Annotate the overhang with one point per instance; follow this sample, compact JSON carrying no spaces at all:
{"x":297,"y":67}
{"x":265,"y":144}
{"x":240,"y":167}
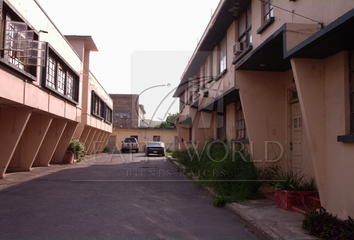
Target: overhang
{"x":268,"y":56}
{"x":88,"y":40}
{"x":219,"y":103}
{"x":186,"y":120}
{"x":336,"y":37}
{"x":225,"y":14}
{"x":195,"y":104}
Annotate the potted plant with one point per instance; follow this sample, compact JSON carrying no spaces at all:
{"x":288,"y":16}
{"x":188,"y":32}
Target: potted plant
{"x":292,"y":189}
{"x":75,"y":150}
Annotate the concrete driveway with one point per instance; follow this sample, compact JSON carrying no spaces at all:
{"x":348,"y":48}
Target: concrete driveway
{"x":111,"y":196}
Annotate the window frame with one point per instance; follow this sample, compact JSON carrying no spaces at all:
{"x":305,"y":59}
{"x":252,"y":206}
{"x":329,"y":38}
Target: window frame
{"x":101,"y":110}
{"x":246,"y":35}
{"x":268,"y":8}
{"x":8,"y":13}
{"x":241,"y":129}
{"x":54,"y":62}
{"x":156,"y":137}
{"x":117,"y":112}
{"x":223,"y":55}
{"x":268,"y":15}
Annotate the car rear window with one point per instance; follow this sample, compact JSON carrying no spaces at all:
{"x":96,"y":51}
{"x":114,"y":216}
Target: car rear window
{"x":129,"y":140}
{"x":154,"y":144}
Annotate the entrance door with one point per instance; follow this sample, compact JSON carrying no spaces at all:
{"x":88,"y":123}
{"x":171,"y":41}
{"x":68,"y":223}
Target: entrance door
{"x":295,"y":145}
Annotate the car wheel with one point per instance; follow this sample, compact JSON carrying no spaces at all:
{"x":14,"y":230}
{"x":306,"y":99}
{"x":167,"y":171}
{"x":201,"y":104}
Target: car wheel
{"x":163,"y":154}
{"x":137,"y":150}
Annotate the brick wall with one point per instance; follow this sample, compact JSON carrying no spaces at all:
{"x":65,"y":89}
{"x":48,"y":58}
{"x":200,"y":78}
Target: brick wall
{"x":122,"y":105}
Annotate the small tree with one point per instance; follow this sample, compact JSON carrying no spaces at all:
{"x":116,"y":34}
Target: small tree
{"x":170,"y":121}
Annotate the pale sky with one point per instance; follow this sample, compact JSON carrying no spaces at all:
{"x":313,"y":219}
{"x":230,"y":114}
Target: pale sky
{"x":143,"y":45}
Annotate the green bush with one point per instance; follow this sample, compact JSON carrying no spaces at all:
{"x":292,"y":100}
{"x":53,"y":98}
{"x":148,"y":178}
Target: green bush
{"x":326,"y":226}
{"x":77,"y":148}
{"x":231,"y":175}
{"x":106,"y":149}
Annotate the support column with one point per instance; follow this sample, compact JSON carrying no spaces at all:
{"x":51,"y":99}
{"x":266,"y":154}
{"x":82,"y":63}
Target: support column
{"x":89,"y":142}
{"x":50,"y":143}
{"x":12,"y":124}
{"x":64,"y":142}
{"x":85,"y":134}
{"x":94,"y":147}
{"x":31,"y":140}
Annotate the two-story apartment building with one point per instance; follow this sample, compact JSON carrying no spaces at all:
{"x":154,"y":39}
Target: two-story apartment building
{"x":47,"y":93}
{"x":277,"y":76}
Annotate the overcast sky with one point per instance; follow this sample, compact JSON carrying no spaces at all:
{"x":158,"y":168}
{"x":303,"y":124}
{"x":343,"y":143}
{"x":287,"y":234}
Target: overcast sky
{"x":143,"y":46}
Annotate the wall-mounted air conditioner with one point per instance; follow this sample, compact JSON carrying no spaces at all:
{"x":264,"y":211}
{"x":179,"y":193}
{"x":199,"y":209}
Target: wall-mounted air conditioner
{"x":239,"y":47}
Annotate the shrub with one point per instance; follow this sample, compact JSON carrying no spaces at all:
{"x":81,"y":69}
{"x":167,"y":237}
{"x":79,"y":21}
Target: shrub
{"x":326,"y":226}
{"x":77,"y":148}
{"x":232,"y":176}
{"x":106,"y":149}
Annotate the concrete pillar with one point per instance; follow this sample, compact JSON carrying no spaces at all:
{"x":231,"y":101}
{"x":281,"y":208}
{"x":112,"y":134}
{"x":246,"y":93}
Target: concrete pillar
{"x":310,"y":84}
{"x":50,"y":143}
{"x":64,"y":142}
{"x":89,"y":141}
{"x":12,"y":124}
{"x":31,"y":140}
{"x":94,"y":146}
{"x":85,"y":134}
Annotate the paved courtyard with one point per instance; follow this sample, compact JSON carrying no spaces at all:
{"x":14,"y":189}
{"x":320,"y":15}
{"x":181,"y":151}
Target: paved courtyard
{"x":109,"y":196}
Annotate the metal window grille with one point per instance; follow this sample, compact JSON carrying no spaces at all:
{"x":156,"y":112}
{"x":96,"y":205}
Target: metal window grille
{"x":241,"y":132}
{"x":51,"y":72}
{"x":351,"y":90}
{"x":245,"y":27}
{"x":61,"y":79}
{"x":70,"y":90}
{"x":268,"y":9}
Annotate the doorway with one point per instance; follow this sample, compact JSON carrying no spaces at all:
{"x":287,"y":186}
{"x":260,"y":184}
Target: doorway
{"x":296,"y":138}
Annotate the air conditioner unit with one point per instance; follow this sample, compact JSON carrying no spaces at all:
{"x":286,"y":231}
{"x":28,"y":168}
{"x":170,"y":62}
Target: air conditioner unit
{"x":239,"y":47}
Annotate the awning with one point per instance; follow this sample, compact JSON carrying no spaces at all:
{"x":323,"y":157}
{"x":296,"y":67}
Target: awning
{"x":336,"y":37}
{"x":219,"y":103}
{"x":187,"y":120}
{"x":268,"y":56}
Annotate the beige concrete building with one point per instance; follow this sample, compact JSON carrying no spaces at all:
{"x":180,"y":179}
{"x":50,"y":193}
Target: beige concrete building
{"x":47,"y":93}
{"x":129,"y":121}
{"x":277,"y":76}
{"x":144,"y":135}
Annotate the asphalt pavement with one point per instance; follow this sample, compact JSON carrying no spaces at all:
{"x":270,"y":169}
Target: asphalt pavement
{"x":112,"y":196}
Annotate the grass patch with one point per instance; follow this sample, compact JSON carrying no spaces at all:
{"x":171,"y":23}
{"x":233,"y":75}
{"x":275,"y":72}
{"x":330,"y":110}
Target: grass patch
{"x":232,"y":175}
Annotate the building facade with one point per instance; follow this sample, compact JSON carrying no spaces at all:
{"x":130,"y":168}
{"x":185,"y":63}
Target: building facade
{"x":129,"y":121}
{"x":44,"y":94}
{"x":276,"y":76}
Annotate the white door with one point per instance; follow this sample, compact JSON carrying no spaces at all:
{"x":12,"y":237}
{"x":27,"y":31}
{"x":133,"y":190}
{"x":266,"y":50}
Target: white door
{"x":295,"y":144}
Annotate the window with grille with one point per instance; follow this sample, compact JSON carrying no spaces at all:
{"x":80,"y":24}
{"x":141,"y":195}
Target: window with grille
{"x":222,"y":55}
{"x":241,"y":132}
{"x":60,"y":78}
{"x":122,"y":113}
{"x":267,"y":9}
{"x":351,"y":90}
{"x":108,"y":113}
{"x":100,"y":109}
{"x":156,"y":138}
{"x":51,"y":70}
{"x":19,"y":44}
{"x":245,"y":27}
